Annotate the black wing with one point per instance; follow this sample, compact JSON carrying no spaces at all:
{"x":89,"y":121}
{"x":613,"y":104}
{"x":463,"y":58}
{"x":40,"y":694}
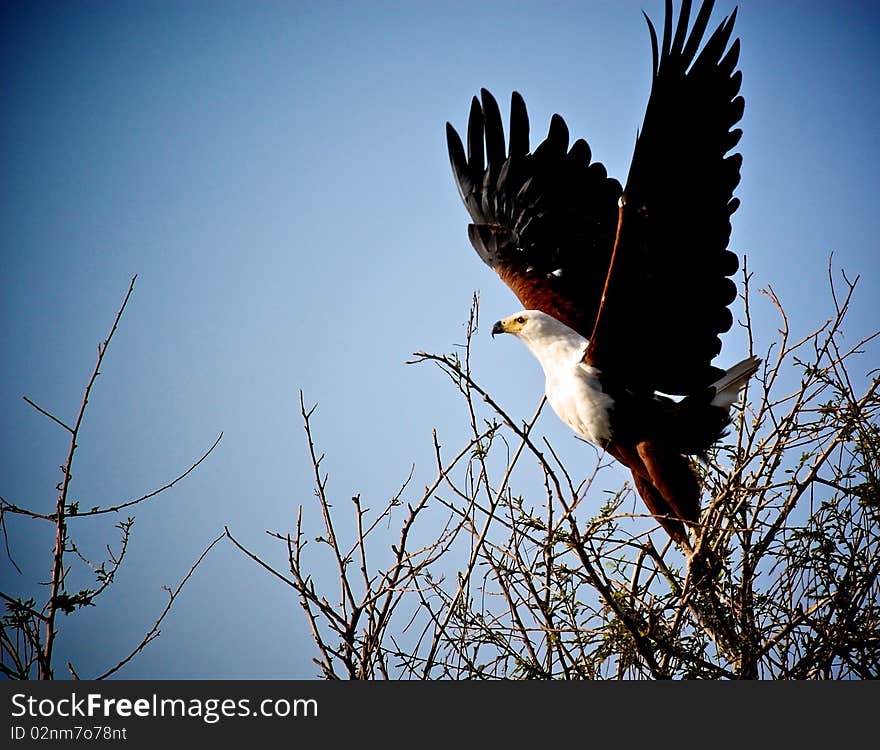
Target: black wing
{"x":668,"y":291}
{"x":545,"y":221}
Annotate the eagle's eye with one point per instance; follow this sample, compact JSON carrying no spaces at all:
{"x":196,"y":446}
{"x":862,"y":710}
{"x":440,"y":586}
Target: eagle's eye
{"x":521,"y":320}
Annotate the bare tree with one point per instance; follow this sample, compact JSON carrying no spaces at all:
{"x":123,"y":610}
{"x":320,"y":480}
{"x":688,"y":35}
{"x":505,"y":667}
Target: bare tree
{"x":485,"y":581}
{"x":29,"y":629}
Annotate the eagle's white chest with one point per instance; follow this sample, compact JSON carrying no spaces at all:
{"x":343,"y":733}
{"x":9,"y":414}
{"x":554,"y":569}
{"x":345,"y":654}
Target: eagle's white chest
{"x":574,"y":392}
{"x":572,"y":387}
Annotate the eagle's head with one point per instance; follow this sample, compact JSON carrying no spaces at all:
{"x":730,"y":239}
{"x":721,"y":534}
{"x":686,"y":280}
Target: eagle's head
{"x":530,"y":324}
{"x":538,"y":330}
{"x":513,"y":324}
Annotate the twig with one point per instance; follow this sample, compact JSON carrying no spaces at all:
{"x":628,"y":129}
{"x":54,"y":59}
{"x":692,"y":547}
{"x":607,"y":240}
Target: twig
{"x":153,"y":493}
{"x":61,"y":505}
{"x":51,"y":416}
{"x":154,"y":632}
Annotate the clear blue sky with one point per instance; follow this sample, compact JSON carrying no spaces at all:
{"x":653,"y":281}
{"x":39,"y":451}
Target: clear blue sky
{"x":276,"y":175}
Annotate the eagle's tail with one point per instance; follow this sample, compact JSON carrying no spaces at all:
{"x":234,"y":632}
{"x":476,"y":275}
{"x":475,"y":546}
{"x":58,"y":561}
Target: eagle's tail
{"x":727,"y":387}
{"x":702,"y":418}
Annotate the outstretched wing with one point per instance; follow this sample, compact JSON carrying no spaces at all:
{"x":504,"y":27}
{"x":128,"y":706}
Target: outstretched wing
{"x":668,"y":290}
{"x":544,"y":220}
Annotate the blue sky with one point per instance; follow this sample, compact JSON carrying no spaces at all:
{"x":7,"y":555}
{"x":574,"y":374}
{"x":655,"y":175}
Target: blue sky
{"x":276,"y":175}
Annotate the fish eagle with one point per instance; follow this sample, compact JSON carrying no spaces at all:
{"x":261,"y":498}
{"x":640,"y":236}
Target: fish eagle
{"x":625,"y":289}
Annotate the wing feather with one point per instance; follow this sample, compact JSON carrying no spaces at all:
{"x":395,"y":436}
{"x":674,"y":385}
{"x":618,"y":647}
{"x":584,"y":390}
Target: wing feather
{"x":547,"y":220}
{"x":668,"y":290}
{"x":496,"y":153}
{"x":544,"y":220}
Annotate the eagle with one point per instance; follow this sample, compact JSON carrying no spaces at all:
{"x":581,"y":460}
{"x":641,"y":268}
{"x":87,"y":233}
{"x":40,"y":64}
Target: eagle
{"x":625,"y":290}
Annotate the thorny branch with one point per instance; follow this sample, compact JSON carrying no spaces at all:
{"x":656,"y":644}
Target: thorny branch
{"x":28,"y":635}
{"x":536,"y":572}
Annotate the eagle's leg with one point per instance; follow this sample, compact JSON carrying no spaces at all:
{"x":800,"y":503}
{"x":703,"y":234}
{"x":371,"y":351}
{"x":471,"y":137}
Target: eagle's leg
{"x":660,"y":509}
{"x":671,"y":474}
{"x":665,"y":513}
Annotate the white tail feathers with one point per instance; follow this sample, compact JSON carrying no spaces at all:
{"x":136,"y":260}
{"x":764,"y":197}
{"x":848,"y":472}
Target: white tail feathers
{"x":727,"y":388}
